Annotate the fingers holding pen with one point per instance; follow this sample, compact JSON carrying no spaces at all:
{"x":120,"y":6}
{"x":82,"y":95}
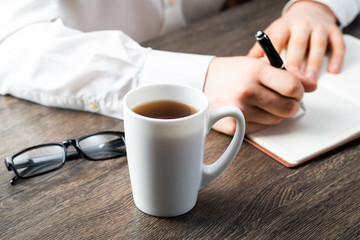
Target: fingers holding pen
{"x":265,"y":94}
{"x":274,"y":96}
{"x":283,"y":95}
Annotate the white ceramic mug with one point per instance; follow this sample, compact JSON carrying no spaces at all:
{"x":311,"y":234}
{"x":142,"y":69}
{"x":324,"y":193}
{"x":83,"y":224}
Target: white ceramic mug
{"x":165,"y":156}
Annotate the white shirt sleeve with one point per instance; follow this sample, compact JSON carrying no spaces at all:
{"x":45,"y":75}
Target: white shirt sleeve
{"x":345,"y":10}
{"x":43,"y":61}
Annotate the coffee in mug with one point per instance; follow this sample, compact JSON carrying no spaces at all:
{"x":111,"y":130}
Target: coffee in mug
{"x":165,"y":109}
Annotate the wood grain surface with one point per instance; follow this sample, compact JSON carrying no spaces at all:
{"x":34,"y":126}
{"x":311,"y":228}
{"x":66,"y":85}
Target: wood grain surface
{"x":256,"y":198}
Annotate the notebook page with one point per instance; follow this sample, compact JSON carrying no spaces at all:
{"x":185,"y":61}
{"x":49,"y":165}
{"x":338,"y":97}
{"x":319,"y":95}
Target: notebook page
{"x":347,"y":82}
{"x":329,"y":120}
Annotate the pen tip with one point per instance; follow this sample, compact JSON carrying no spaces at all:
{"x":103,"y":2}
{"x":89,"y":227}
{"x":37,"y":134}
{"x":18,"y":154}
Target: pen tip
{"x":302,"y":105}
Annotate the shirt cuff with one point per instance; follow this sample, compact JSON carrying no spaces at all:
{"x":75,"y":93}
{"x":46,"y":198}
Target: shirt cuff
{"x":172,"y":67}
{"x":345,"y":11}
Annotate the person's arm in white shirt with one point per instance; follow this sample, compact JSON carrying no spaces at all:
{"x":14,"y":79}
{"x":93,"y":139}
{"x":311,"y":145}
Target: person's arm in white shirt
{"x":43,"y":61}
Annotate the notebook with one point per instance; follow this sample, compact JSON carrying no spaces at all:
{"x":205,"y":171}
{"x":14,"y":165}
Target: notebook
{"x":332,"y":116}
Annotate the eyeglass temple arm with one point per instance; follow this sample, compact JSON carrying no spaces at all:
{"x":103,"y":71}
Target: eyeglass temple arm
{"x":38,"y":161}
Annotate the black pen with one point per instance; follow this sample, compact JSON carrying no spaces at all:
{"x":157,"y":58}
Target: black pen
{"x":272,"y":54}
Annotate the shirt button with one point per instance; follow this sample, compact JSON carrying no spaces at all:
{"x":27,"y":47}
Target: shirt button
{"x":93,"y":107}
{"x":171,"y":2}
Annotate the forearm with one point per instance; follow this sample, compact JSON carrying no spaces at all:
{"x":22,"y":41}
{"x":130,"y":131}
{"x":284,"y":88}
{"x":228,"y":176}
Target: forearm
{"x":44,"y":61}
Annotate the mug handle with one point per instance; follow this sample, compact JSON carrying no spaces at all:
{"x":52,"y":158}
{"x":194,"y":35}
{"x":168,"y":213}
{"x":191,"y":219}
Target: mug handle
{"x":210,"y":172}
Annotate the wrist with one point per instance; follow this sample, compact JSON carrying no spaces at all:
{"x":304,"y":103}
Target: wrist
{"x":305,"y":5}
{"x":172,"y":67}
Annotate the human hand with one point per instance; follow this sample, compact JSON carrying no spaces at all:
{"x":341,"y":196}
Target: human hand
{"x":307,"y":25}
{"x":266,"y":95}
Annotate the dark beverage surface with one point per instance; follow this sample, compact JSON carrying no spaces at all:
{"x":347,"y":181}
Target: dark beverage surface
{"x":164,"y":109}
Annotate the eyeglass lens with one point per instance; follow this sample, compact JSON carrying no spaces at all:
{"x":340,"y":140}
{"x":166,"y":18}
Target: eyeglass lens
{"x":39,"y":160}
{"x":102,"y":146}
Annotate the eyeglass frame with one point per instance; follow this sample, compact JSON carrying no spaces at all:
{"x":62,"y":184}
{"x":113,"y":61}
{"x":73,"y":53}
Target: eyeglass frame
{"x":64,"y":144}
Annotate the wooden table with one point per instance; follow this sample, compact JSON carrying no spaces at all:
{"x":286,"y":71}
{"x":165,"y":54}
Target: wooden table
{"x":256,"y":198}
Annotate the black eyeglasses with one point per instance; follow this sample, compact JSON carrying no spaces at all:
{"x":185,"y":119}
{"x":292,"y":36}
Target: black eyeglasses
{"x":44,"y":158}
